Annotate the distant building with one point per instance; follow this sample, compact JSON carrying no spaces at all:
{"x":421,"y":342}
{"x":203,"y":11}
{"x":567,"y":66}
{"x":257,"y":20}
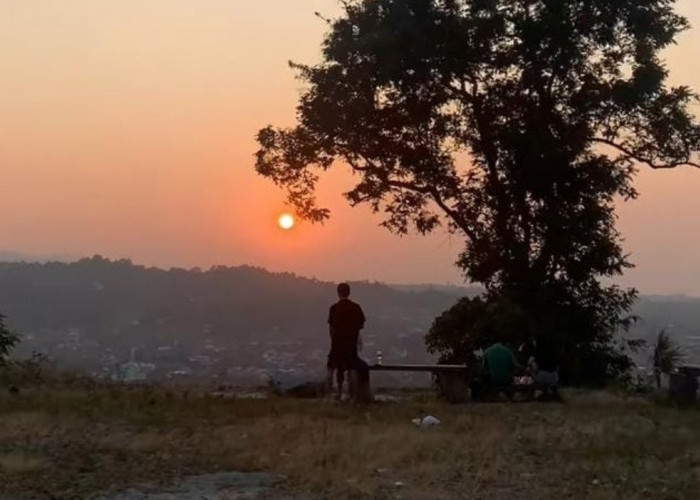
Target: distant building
{"x":132,"y":371}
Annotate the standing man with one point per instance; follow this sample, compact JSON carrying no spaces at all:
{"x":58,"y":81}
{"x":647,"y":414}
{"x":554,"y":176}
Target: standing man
{"x":345,"y":320}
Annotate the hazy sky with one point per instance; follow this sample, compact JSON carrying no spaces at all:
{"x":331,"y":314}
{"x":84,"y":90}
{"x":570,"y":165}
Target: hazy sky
{"x":126,"y":129}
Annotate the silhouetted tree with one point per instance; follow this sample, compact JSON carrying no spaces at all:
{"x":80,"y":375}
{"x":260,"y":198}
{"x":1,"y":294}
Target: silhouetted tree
{"x":667,"y":355}
{"x":8,"y":339}
{"x":516,"y":124}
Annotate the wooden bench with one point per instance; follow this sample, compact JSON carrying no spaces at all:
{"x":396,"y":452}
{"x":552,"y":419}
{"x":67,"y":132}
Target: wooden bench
{"x":452,"y":380}
{"x":420,"y":368}
{"x":690,"y":370}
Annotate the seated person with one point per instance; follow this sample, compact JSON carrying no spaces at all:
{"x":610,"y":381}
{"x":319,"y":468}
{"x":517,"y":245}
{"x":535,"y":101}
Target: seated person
{"x":544,"y":368}
{"x":499,"y":368}
{"x":500,"y":365}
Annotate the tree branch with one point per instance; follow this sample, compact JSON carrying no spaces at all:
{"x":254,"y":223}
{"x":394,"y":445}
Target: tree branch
{"x":657,"y":166}
{"x":437,"y":198}
{"x":418,"y":188}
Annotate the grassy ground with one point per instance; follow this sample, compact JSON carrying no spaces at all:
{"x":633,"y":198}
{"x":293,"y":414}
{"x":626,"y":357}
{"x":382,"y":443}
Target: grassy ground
{"x":72,"y":444}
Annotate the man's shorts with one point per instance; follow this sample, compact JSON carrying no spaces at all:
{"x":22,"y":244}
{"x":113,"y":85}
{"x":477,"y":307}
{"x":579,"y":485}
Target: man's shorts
{"x":338,"y":360}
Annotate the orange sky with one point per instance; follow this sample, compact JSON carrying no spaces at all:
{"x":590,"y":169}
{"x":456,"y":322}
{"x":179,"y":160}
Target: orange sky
{"x":126,"y":129}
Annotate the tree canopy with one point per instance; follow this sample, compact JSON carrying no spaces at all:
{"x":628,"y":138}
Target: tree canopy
{"x":515,"y":124}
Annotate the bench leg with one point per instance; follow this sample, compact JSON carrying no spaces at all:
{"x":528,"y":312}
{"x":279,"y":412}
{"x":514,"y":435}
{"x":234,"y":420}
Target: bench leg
{"x":361,"y":391}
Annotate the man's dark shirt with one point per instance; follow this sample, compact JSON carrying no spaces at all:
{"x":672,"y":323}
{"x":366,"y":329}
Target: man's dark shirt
{"x":346,"y":319}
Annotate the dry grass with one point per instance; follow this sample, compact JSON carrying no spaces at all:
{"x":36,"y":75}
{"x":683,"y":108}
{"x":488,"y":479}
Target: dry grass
{"x":597,"y":446}
{"x":17,"y":463}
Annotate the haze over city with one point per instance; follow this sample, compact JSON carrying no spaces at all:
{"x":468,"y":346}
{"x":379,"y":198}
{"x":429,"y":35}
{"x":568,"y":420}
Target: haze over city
{"x":173,"y":324}
{"x":127,"y":130}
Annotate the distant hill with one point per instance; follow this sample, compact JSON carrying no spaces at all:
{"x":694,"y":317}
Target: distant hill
{"x":456,"y":291}
{"x":679,"y":314}
{"x":236,"y":322}
{"x":95,"y":313}
{"x":10,"y":256}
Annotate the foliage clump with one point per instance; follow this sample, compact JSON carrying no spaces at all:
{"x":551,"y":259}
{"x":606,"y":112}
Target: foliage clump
{"x":515,"y":125}
{"x":8,"y":339}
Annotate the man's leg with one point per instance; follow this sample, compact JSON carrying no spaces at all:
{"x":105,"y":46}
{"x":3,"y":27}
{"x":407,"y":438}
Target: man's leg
{"x":548,"y":383}
{"x":352,"y":383}
{"x":329,"y":381}
{"x":331,"y":367}
{"x":340,"y":376}
{"x":346,"y":366}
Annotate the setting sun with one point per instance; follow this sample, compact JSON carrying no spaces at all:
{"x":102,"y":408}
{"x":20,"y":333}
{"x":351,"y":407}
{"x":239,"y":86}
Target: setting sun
{"x":286,"y":221}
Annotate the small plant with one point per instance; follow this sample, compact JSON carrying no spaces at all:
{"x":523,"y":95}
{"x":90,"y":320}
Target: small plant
{"x":667,"y":355}
{"x":35,"y":370}
{"x":8,"y":339}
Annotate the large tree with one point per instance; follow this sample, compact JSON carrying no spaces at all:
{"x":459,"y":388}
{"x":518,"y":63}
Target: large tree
{"x":516,"y":124}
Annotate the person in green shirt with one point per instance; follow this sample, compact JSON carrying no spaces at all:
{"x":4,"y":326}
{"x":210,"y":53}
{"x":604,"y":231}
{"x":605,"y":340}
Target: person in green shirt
{"x":500,"y":365}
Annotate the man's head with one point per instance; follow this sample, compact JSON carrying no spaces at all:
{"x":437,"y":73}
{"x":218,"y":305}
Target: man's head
{"x":343,"y":290}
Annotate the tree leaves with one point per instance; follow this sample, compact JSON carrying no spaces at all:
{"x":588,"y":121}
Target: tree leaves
{"x":8,"y":339}
{"x":514,"y":124}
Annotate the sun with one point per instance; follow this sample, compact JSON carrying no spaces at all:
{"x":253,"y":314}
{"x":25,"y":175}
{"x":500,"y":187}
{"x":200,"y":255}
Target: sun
{"x":286,"y":221}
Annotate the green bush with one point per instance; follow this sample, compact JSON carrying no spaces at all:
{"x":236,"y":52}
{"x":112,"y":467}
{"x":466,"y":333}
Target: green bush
{"x":588,"y":354}
{"x":8,"y":339}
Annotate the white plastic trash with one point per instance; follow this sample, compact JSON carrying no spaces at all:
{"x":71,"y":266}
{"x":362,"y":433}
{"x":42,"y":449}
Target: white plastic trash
{"x":426,"y":421}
